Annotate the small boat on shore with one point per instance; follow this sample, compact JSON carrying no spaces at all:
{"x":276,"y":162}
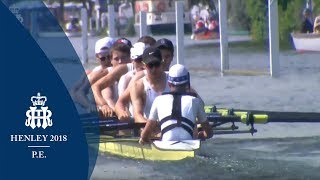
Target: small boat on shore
{"x":306,"y":42}
{"x":205,"y":36}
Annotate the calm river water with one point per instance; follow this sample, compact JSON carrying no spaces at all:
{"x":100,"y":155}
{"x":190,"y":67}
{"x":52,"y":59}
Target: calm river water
{"x":277,"y":151}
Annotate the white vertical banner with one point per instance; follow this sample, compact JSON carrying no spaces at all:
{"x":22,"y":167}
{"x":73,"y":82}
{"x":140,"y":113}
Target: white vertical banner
{"x":274,"y":38}
{"x":111,"y":21}
{"x":223,"y":19}
{"x":143,"y":23}
{"x":180,"y":31}
{"x":84,"y":29}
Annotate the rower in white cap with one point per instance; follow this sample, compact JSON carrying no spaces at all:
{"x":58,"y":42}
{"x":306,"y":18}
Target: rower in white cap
{"x":177,"y":111}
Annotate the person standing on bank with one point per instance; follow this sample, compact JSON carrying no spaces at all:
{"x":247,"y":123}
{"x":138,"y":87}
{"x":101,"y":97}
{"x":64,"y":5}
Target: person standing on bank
{"x":307,"y":26}
{"x":177,"y":111}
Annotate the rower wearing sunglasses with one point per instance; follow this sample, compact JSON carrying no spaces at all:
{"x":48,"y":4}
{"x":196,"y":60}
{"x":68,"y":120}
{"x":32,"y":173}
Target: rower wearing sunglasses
{"x":119,"y":54}
{"x":146,"y":89}
{"x":167,"y":51}
{"x":177,"y":111}
{"x":81,"y":89}
{"x":123,"y":107}
{"x":114,"y":76}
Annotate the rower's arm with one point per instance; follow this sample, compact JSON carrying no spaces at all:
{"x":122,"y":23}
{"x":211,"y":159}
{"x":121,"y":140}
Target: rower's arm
{"x":95,"y":76}
{"x":146,"y":133}
{"x":198,"y":96}
{"x":202,"y":118}
{"x":107,"y":95}
{"x":138,"y":101}
{"x":107,"y":81}
{"x":123,"y":101}
{"x":151,"y":123}
{"x":135,"y":78}
{"x":121,"y":106}
{"x":97,"y":88}
{"x":207,"y":131}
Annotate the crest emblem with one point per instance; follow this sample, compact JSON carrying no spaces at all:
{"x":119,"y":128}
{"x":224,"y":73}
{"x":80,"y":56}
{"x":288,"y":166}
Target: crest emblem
{"x":38,"y":115}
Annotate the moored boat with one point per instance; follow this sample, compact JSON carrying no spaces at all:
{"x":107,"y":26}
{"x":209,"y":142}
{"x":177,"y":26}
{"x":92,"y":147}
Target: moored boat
{"x":205,"y":36}
{"x":306,"y":42}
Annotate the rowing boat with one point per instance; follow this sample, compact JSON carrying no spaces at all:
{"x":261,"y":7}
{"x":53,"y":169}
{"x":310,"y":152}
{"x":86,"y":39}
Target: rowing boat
{"x":306,"y":42}
{"x":129,"y":147}
{"x":157,"y":151}
{"x":205,"y":36}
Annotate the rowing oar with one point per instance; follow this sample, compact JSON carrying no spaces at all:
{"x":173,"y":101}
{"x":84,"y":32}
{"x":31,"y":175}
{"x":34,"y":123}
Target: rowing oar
{"x":109,"y":128}
{"x":292,"y":117}
{"x":273,"y":116}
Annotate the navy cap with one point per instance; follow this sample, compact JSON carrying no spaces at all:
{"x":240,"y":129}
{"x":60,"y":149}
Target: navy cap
{"x":151,"y":55}
{"x":164,"y":44}
{"x":124,"y":41}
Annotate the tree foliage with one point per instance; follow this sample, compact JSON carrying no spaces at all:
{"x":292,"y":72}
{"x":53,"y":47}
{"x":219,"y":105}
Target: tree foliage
{"x":290,"y":18}
{"x":256,"y":11}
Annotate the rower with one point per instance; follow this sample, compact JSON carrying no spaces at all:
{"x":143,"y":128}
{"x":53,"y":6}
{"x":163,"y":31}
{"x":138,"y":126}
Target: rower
{"x":116,"y":73}
{"x":123,"y":108}
{"x":177,"y":111}
{"x":81,"y":90}
{"x":106,"y":98}
{"x":167,"y":51}
{"x":136,"y":57}
{"x":146,"y":89}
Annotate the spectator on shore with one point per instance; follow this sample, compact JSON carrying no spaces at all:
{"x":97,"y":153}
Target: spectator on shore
{"x":306,"y":26}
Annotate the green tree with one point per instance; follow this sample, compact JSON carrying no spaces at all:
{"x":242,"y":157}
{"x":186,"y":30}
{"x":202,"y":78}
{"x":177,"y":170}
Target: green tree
{"x":290,"y":18}
{"x":256,"y":11}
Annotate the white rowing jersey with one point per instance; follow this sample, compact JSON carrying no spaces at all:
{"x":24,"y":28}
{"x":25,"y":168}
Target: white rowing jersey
{"x":115,"y":88}
{"x":191,"y":109}
{"x":130,"y":67}
{"x":151,"y":94}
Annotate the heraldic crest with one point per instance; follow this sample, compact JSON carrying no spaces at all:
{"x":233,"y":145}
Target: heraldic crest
{"x":38,"y":115}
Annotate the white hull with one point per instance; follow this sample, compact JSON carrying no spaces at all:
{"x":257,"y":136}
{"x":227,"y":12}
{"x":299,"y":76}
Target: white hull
{"x":306,"y":42}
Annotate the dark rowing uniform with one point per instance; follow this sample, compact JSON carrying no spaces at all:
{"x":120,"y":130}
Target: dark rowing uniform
{"x":177,"y":114}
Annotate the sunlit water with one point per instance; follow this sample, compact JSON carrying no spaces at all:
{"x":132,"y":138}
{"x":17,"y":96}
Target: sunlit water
{"x":226,"y":159}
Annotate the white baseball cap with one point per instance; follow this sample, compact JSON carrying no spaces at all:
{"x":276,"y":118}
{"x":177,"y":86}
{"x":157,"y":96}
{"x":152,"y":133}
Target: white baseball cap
{"x":137,"y":50}
{"x":178,"y":74}
{"x":103,"y":45}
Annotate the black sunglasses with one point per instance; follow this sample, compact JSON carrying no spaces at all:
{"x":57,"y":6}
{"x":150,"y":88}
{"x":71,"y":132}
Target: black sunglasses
{"x":103,"y":58}
{"x":151,"y":65}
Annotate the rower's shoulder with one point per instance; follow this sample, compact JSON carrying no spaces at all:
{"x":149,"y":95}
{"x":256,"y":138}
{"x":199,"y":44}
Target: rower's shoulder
{"x":119,"y":70}
{"x":138,"y":75}
{"x":137,"y":85}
